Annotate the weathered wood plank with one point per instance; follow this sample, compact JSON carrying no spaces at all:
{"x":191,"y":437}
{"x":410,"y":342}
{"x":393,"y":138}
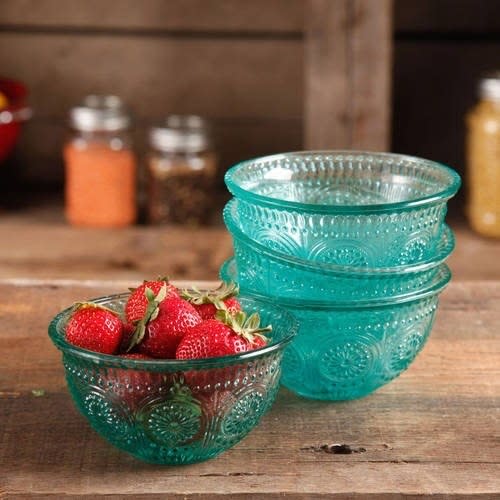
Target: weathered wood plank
{"x":430,"y":433}
{"x":327,"y":83}
{"x":182,"y":15}
{"x":28,"y":250}
{"x":229,"y":81}
{"x":371,"y":47}
{"x":347,"y":74}
{"x":61,"y":251}
{"x":217,"y":78}
{"x":474,"y":257}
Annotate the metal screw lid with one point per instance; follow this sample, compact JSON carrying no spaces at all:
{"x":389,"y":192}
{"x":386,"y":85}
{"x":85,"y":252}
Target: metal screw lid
{"x":100,"y":113}
{"x":181,"y":133}
{"x":489,"y":86}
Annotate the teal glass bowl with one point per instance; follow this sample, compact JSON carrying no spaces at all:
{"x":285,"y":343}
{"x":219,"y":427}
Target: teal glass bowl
{"x":268,"y":272}
{"x":347,"y":351}
{"x":344,"y":207}
{"x":176,"y":411}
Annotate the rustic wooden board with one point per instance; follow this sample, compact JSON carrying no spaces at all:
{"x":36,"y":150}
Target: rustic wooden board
{"x":49,"y":248}
{"x":179,"y":15}
{"x":238,"y":83}
{"x":60,"y":251}
{"x":347,"y":72}
{"x":213,"y":77}
{"x":432,"y":433}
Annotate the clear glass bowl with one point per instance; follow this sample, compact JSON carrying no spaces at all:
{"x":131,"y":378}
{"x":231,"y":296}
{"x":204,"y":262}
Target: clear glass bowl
{"x":347,"y":351}
{"x":176,"y":411}
{"x":269,"y":272}
{"x":344,"y":207}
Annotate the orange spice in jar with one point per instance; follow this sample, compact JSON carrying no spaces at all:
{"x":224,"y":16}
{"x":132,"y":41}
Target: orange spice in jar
{"x":483,"y":159}
{"x":100,"y":166}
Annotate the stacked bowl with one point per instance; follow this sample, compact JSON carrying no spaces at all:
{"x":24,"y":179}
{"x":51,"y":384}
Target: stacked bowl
{"x":354,"y":244}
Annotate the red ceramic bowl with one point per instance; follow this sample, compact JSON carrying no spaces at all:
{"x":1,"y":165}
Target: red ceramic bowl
{"x":12,"y":117}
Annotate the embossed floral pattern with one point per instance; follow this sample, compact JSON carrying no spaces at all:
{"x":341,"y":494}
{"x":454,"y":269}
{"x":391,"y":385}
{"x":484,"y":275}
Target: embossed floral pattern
{"x":348,"y":362}
{"x":404,"y":348}
{"x":105,"y":414}
{"x":375,"y":235}
{"x":171,"y":423}
{"x":344,"y":254}
{"x":245,"y":413}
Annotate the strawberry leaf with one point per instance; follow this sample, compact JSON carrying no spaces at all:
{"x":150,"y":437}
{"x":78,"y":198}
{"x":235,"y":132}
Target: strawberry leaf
{"x":162,"y":294}
{"x":252,"y":322}
{"x":248,"y":328}
{"x":217,"y":296}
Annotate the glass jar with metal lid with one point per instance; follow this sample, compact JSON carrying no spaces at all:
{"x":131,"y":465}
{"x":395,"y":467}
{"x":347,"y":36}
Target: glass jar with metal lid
{"x":182,"y":168}
{"x":483,"y":158}
{"x":100,"y":166}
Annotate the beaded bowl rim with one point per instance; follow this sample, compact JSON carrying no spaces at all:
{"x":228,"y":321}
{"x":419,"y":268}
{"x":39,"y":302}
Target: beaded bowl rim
{"x":56,"y":334}
{"x":446,"y":245}
{"x":434,"y":287}
{"x":440,"y":196}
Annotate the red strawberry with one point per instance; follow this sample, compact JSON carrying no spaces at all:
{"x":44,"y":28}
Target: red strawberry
{"x":208,"y":302}
{"x":165,"y":321}
{"x":136,"y":305}
{"x":133,"y":386}
{"x":95,"y":328}
{"x":164,"y":332}
{"x":217,"y":403}
{"x":223,"y":335}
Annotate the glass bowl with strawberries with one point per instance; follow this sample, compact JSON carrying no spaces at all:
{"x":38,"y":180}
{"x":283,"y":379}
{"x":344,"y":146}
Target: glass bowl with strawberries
{"x":173,"y":376}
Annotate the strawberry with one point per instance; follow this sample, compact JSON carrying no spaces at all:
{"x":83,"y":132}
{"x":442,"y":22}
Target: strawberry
{"x":95,"y":328}
{"x":207,"y":303}
{"x":136,"y":305}
{"x":164,"y":333}
{"x":223,"y":335}
{"x":133,"y":386}
{"x":164,"y":323}
{"x":216,"y":403}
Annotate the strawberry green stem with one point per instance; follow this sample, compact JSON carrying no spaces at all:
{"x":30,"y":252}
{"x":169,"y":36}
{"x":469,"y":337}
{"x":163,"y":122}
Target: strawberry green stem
{"x":151,"y":313}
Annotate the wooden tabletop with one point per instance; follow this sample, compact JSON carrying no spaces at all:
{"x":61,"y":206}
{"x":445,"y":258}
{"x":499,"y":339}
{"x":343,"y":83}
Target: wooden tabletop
{"x":433,"y":432}
{"x":38,"y":243}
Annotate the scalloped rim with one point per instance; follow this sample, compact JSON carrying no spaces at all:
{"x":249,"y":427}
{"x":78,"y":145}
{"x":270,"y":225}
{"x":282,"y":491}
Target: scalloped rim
{"x":251,"y":197}
{"x":170,"y":365}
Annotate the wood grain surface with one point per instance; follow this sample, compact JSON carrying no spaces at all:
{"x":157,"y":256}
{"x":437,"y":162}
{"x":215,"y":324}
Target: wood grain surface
{"x":431,"y":433}
{"x":347,"y":74}
{"x":37,"y":243}
{"x":277,"y":16}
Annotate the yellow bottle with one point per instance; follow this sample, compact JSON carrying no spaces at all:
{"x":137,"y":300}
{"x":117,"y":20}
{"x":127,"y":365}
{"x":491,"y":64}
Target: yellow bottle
{"x":483,"y":159}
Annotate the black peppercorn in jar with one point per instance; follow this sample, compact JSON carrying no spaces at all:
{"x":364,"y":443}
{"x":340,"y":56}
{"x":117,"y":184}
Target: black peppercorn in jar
{"x":182,"y":168}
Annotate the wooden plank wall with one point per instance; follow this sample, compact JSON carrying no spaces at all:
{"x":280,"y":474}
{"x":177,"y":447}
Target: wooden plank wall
{"x":347,"y":76}
{"x":262,"y":70}
{"x":239,"y":63}
{"x":251,"y":67}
